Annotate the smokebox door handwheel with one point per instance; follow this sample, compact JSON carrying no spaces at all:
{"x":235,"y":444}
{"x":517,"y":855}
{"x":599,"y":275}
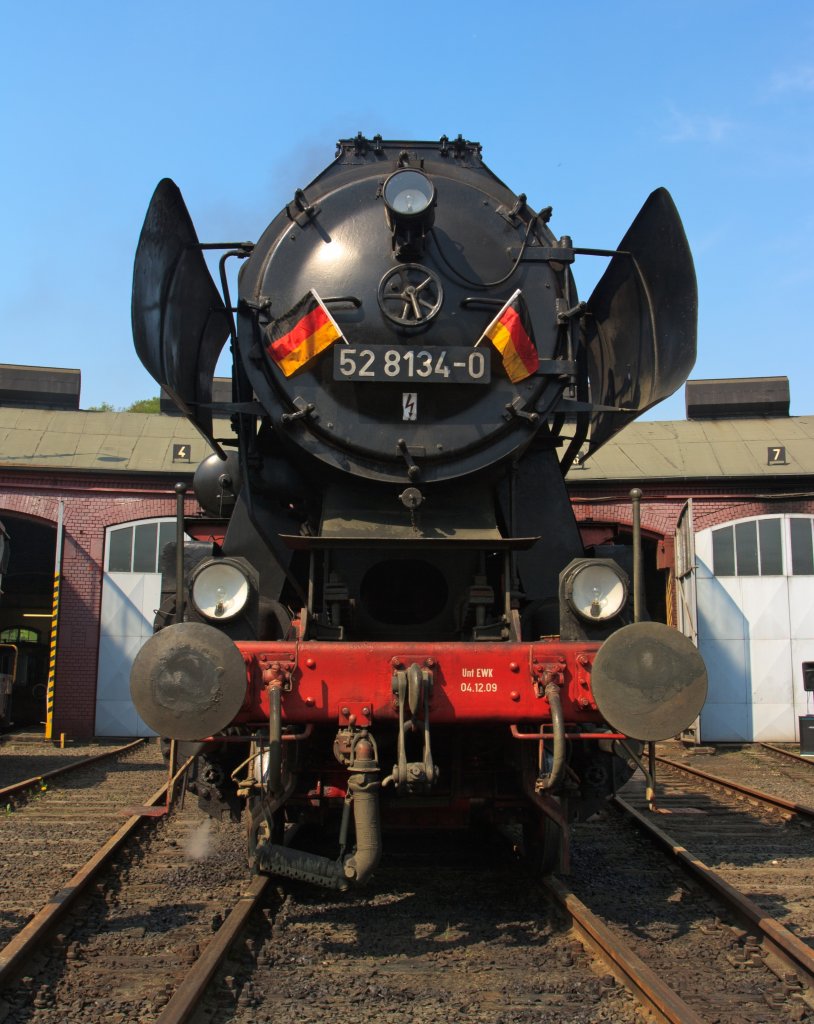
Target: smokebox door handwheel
{"x":410,"y":295}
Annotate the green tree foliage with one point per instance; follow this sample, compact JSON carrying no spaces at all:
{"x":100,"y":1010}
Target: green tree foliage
{"x":145,"y":405}
{"x":142,"y":405}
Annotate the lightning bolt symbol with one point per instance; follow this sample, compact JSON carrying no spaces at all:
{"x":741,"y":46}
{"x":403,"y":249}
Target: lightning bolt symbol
{"x":409,"y":407}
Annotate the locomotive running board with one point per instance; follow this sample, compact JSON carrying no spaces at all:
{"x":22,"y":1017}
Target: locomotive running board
{"x":640,"y":332}
{"x":180,"y":323}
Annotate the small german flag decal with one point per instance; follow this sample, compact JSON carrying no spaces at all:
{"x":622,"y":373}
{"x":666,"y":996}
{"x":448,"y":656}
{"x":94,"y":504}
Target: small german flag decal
{"x":299,"y":336}
{"x":512,"y":335}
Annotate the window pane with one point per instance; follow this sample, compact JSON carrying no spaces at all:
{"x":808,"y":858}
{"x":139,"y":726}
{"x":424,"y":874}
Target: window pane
{"x":166,"y":535}
{"x":121,"y":546}
{"x":19,"y":635}
{"x":771,"y":554}
{"x":723,"y":552}
{"x":746,"y":548}
{"x":145,"y":548}
{"x":802,"y":555}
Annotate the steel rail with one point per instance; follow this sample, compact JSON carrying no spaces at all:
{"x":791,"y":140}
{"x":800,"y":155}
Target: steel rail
{"x":189,"y":993}
{"x":755,"y":794}
{"x":789,"y":753}
{"x":785,"y":945}
{"x":19,"y":787}
{"x":664,"y":1003}
{"x":16,"y":952}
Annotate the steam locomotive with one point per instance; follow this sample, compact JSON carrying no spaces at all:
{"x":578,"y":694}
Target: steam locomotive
{"x":386,"y":615}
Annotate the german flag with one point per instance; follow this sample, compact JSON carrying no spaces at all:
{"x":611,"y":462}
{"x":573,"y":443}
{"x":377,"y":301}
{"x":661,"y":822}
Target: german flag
{"x":299,"y":336}
{"x":512,"y":335}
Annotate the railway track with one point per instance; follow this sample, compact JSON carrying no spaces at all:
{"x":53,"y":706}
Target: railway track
{"x":100,"y":968}
{"x":17,"y":782}
{"x":49,"y":837}
{"x":760,"y":770}
{"x":694,"y":943}
{"x":450,"y":929}
{"x":759,"y":840}
{"x":789,"y":754}
{"x":749,"y":850}
{"x":444,"y":933}
{"x":128,"y":946}
{"x":433,"y":940}
{"x":702,"y":965}
{"x":515,"y":961}
{"x":460,"y":939}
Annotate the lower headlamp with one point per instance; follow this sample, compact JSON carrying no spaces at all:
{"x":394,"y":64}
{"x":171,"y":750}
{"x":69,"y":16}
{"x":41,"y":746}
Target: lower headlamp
{"x":596,"y":589}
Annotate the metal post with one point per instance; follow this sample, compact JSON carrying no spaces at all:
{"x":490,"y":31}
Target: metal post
{"x":180,"y":491}
{"x":651,"y":776}
{"x":171,"y":772}
{"x":52,"y":656}
{"x":636,"y":498}
{"x":638,"y":606}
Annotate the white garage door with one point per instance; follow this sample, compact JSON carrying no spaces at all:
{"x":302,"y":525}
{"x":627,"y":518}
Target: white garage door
{"x":755,"y":587}
{"x":131,"y":593}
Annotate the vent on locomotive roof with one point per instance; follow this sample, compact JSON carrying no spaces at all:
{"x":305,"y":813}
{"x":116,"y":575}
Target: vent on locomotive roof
{"x":39,"y":387}
{"x":221,"y":392}
{"x":738,"y":397}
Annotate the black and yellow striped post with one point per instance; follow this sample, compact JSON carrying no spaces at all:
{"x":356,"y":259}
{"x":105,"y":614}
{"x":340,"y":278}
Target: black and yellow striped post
{"x":52,"y":654}
{"x":52,"y":663}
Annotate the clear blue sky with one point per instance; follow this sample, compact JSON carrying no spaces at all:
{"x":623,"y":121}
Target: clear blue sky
{"x":586,"y":106}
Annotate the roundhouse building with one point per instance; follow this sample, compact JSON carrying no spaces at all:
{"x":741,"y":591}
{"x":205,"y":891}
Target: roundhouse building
{"x":88,"y":501}
{"x":727,"y":517}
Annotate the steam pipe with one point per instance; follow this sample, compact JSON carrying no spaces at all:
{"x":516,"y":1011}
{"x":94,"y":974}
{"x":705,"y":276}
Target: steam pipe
{"x":275,"y":782}
{"x":367,"y":823}
{"x":554,"y":777}
{"x":363,"y":786}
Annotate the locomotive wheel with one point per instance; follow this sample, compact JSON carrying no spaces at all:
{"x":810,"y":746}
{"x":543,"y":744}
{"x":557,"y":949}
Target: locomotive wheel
{"x":258,"y":828}
{"x":265,"y":822}
{"x":542,"y":845}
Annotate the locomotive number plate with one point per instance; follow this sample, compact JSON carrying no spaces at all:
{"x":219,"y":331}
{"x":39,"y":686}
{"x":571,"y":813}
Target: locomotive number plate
{"x":458,"y":365}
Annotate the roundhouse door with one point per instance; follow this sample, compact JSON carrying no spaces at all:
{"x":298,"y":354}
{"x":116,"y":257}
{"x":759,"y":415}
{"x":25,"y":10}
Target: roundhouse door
{"x":687,"y":611}
{"x":756,"y":624}
{"x":131,"y":593}
{"x":686,"y":592}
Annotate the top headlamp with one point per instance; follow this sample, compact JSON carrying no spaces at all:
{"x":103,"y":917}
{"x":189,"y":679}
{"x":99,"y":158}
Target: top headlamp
{"x":409,"y":199}
{"x":408,"y":193}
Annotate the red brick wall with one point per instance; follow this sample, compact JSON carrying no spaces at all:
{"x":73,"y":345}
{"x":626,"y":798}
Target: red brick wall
{"x":660,"y":506}
{"x":91,"y":504}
